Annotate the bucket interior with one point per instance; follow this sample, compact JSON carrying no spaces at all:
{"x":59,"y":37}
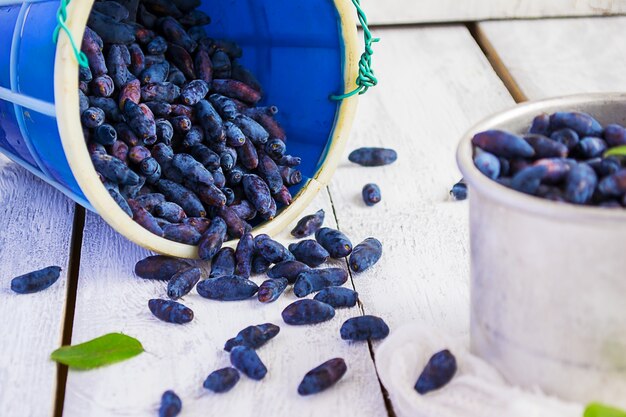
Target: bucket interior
{"x":301,"y":52}
{"x":295,"y":50}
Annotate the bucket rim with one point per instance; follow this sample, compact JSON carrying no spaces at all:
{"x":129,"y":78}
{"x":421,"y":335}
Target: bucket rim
{"x":79,"y":160}
{"x":509,"y":198}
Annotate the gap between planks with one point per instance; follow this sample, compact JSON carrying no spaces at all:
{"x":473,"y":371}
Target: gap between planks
{"x":76,"y":244}
{"x":485,"y":45}
{"x":388,"y":404}
{"x":467,"y":22}
{"x":496,"y":62}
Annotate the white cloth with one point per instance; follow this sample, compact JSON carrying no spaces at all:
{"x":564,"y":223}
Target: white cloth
{"x":477,"y":389}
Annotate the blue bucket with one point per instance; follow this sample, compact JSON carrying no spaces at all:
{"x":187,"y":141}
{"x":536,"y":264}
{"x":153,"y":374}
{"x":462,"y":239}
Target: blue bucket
{"x":301,"y":51}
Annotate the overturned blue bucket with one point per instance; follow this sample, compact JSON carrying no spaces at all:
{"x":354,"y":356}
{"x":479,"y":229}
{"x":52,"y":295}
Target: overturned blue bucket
{"x":301,"y":51}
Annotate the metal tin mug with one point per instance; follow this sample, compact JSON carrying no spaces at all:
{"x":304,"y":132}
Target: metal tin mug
{"x":302,"y":52}
{"x":548,"y":291}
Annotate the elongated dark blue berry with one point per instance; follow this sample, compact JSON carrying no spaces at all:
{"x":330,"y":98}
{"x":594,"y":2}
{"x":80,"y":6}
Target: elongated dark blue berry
{"x":308,"y":225}
{"x":170,"y":311}
{"x":323,"y":377}
{"x":614,"y":184}
{"x":257,"y":192}
{"x":373,"y":157}
{"x":248,"y":156}
{"x":269,"y":171}
{"x":155,"y":73}
{"x":546,"y":147}
{"x":183,"y":197}
{"x":212,"y":240}
{"x":240,"y":91}
{"x":567,"y":137}
{"x":271,"y":289}
{"x":205,"y":156}
{"x":222,"y":380}
{"x":260,"y":265}
{"x":228,"y":159}
{"x":223,"y":263}
{"x":529,"y":179}
{"x":225,"y":106}
{"x":182,"y":233}
{"x":605,"y":166}
{"x":253,"y":336}
{"x":171,"y":212}
{"x":306,"y":311}
{"x":113,"y":169}
{"x":336,"y":243}
{"x":36,"y":281}
{"x":272,"y":250}
{"x":504,"y":144}
{"x":121,"y":201}
{"x":288,"y":270}
{"x":193,"y":92}
{"x":591,"y":147}
{"x":580,"y":184}
{"x":283,"y":196}
{"x":540,"y":125}
{"x":222,"y":64}
{"x":556,"y":169}
{"x":210,"y":121}
{"x":201,"y":224}
{"x":159,"y":267}
{"x":314,"y":280}
{"x":234,"y":136}
{"x":364,"y":328}
{"x":244,"y":254}
{"x":309,"y":252}
{"x":615,"y":135}
{"x":141,"y":120}
{"x":437,"y":373}
{"x":248,"y":362}
{"x":192,"y":170}
{"x":488,"y":164}
{"x":227,"y":288}
{"x":583,"y":123}
{"x":337,"y":297}
{"x":171,"y":405}
{"x":365,"y":254}
{"x":183,"y":282}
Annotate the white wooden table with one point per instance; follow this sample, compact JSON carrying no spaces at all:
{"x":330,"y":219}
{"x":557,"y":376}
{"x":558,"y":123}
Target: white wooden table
{"x":435,"y":82}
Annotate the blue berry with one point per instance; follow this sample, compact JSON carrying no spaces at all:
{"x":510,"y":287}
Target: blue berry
{"x":437,"y":373}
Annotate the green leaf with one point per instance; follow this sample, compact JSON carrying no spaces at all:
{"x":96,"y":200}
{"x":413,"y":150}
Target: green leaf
{"x":600,"y":410}
{"x":617,"y":151}
{"x":101,"y":351}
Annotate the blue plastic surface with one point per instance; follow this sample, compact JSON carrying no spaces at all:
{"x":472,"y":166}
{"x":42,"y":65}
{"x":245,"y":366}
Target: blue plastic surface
{"x":293,"y":47}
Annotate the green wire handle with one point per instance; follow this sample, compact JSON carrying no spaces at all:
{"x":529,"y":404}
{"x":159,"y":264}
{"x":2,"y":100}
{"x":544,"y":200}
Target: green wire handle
{"x":366,"y":77}
{"x":61,"y":18}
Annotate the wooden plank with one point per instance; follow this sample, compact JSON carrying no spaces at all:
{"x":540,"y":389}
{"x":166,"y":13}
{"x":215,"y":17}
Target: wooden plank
{"x":35,"y":232}
{"x":426,"y":99}
{"x":111,"y":299}
{"x":433,"y":11}
{"x":561,"y":56}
